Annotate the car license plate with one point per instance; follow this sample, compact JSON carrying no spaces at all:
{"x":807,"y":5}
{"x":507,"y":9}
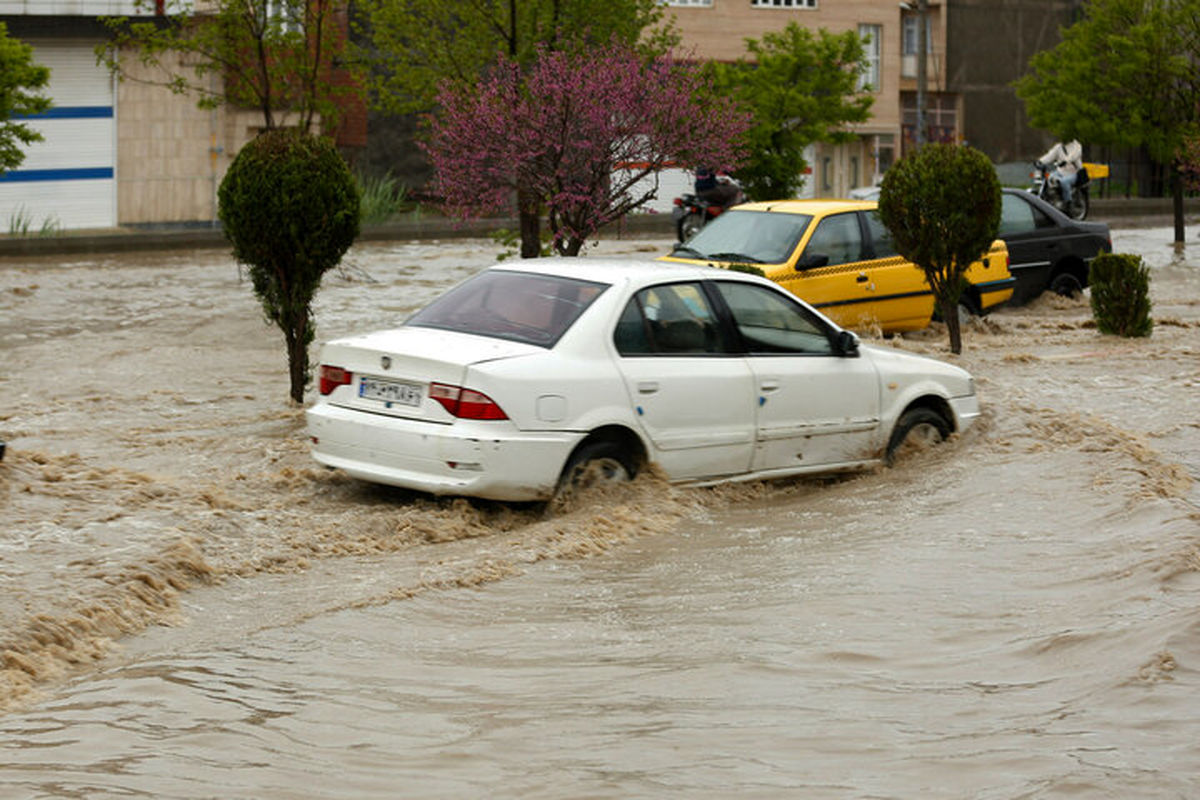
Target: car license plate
{"x":408,"y":394}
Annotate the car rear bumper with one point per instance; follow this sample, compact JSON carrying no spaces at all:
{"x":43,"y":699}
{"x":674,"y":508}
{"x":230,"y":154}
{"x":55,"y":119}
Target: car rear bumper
{"x":492,"y":460}
{"x":993,"y":293}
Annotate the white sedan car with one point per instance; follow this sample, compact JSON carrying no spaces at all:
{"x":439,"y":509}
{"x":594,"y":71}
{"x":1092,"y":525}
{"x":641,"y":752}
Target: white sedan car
{"x":515,"y":382}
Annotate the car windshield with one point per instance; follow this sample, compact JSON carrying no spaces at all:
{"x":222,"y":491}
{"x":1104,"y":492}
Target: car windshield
{"x":522,"y":307}
{"x":754,"y":236}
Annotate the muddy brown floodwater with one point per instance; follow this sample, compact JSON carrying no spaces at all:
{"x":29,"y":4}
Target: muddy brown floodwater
{"x":190,"y":608}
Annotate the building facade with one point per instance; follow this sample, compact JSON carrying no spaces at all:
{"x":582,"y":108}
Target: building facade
{"x":717,"y":29}
{"x":119,"y":153}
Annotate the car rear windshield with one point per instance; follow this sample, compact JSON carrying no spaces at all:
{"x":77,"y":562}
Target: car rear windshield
{"x":519,"y":306}
{"x":761,"y":236}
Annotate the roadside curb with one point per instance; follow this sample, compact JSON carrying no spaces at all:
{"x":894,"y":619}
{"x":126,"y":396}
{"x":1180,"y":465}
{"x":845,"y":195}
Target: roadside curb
{"x":433,"y":228}
{"x":1133,"y":212}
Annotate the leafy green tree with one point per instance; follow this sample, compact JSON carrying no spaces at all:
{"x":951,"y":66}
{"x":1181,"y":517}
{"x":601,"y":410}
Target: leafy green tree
{"x":20,"y":82}
{"x":415,"y":46}
{"x":1126,"y":74}
{"x":942,"y":206}
{"x":800,"y":87}
{"x":290,"y":207}
{"x":272,"y":55}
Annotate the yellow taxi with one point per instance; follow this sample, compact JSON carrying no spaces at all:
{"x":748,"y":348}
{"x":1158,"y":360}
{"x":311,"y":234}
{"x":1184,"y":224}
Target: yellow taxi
{"x":839,"y":257}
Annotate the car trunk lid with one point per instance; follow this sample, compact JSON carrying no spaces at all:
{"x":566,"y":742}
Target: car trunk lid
{"x":390,"y":372}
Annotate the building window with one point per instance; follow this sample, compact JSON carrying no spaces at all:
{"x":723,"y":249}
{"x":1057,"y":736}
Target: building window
{"x":826,"y":174}
{"x":286,"y":16}
{"x":909,"y":44}
{"x":872,"y":36}
{"x":784,"y":3}
{"x":687,"y":2}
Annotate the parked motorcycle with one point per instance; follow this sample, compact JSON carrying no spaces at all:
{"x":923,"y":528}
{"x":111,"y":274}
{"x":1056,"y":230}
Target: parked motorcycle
{"x":691,"y":213}
{"x":1046,"y":186}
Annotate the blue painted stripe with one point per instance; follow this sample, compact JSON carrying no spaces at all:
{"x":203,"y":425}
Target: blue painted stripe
{"x":71,"y":112}
{"x":77,"y":174}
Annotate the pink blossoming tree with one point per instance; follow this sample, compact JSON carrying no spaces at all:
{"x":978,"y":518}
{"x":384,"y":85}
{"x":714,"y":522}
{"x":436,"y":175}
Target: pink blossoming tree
{"x":574,"y":136}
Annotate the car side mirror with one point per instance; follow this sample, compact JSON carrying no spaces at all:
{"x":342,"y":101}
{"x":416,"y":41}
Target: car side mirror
{"x":812,"y":261}
{"x":847,"y":344}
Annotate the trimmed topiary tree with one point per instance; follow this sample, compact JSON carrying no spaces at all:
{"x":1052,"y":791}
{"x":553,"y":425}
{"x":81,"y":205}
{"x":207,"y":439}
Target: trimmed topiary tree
{"x":942,"y":206}
{"x":290,"y":207}
{"x":1120,"y":285}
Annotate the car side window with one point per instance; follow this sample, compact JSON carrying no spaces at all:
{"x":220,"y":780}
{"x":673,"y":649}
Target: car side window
{"x":772,"y":324}
{"x":882,"y":245}
{"x":672,"y":319}
{"x":839,"y":237}
{"x":1016,"y":216}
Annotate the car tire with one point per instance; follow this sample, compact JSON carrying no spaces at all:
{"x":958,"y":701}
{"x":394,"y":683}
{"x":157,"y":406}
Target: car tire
{"x":917,"y":429}
{"x":1066,"y":285}
{"x":596,"y":464}
{"x":689,"y":226}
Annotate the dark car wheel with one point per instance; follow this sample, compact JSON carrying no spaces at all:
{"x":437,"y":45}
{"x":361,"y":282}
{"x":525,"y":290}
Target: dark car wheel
{"x":1066,"y":284}
{"x":918,"y":429}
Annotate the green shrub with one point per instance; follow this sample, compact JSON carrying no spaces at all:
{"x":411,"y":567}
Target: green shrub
{"x":382,"y":197}
{"x":1121,"y":294}
{"x":290,"y":207}
{"x":942,"y":206}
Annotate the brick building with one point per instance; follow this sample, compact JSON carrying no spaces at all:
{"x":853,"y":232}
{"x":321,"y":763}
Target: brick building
{"x":717,"y":29}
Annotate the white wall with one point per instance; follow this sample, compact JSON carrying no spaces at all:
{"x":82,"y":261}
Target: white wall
{"x":86,"y":8}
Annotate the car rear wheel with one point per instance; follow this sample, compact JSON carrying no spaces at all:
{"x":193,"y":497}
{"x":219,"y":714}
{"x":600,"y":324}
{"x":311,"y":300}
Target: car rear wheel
{"x":596,"y":464}
{"x":1066,"y":284}
{"x":918,"y":429}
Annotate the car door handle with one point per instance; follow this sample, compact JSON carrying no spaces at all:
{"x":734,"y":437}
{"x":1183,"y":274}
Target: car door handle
{"x":647,"y":387}
{"x":862,"y":277}
{"x":769,"y":386}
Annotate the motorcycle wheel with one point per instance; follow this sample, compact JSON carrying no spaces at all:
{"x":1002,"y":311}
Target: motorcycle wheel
{"x":1078,"y":207}
{"x":689,"y":226}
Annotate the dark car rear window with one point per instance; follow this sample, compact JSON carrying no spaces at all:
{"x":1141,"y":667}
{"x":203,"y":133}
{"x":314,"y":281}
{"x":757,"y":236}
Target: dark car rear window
{"x":522,"y":307}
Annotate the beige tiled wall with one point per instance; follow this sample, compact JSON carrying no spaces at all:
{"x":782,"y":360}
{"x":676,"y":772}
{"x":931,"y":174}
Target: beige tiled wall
{"x":171,"y":154}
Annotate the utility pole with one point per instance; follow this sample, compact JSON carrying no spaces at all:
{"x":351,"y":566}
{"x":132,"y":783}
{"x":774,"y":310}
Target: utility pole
{"x":922,"y":66}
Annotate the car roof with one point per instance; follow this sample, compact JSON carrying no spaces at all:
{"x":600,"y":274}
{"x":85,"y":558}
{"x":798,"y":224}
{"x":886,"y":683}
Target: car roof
{"x":817,"y":207}
{"x":619,"y":270}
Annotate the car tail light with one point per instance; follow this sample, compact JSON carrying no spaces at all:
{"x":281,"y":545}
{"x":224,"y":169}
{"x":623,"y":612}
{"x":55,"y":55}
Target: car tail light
{"x":678,"y":201}
{"x":466,"y":403}
{"x":333,"y":377}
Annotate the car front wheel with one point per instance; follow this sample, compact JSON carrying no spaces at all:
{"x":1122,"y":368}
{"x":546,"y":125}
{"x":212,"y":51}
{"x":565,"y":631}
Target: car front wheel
{"x":918,"y":429}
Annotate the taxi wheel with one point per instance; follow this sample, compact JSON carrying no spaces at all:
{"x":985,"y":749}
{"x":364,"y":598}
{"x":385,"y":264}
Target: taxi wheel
{"x":918,"y":429}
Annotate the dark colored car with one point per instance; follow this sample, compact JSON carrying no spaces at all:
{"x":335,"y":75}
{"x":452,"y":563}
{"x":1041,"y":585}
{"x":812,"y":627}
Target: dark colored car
{"x":1046,"y":248}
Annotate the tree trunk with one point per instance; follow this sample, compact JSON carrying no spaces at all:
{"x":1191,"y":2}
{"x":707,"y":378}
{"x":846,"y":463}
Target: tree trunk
{"x":297,"y":350}
{"x":949,"y":311}
{"x":531,"y":226}
{"x":1177,"y":204}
